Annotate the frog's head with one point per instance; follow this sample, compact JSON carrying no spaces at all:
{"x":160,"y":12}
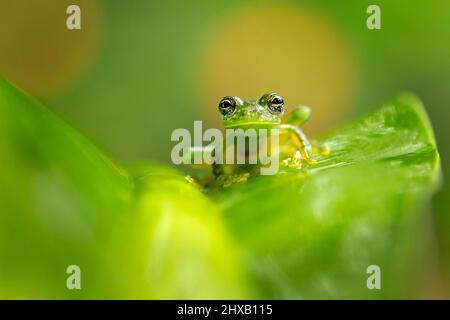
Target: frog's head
{"x":265,"y":112}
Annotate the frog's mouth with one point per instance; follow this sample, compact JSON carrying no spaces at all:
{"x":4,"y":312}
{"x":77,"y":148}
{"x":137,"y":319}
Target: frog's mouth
{"x":251,"y":125}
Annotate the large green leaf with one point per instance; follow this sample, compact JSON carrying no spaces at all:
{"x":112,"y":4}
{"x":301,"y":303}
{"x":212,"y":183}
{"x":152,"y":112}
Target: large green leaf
{"x":313,"y":233}
{"x":63,"y":202}
{"x":148,"y":233}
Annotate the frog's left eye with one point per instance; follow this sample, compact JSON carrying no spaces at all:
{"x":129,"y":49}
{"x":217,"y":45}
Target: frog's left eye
{"x":274,"y":102}
{"x":228,"y":106}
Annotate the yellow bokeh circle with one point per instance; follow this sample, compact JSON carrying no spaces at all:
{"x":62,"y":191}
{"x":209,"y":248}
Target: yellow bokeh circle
{"x":287,"y":49}
{"x":38,"y":52}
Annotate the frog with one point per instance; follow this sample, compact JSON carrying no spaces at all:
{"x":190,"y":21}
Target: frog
{"x":267,"y":112}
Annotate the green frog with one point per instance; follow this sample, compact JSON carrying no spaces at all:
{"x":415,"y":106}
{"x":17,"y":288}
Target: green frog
{"x":294,"y":148}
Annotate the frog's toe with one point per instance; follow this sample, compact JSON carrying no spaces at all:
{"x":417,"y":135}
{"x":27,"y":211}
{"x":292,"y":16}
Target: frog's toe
{"x":227,"y":180}
{"x":191,"y":180}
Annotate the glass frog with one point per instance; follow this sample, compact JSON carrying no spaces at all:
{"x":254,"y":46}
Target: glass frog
{"x":295,"y":150}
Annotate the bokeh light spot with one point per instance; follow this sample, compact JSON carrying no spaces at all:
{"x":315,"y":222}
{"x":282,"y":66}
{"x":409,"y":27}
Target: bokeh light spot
{"x":287,"y":49}
{"x":38,"y":52}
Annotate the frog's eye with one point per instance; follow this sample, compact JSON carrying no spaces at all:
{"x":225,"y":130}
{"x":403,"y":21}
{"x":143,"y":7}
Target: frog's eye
{"x":274,"y":102}
{"x":228,"y":106}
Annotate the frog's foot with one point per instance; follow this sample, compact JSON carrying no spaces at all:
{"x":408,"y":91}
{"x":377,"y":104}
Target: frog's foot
{"x":227,"y":180}
{"x":200,"y":184}
{"x":191,"y":180}
{"x":299,"y":158}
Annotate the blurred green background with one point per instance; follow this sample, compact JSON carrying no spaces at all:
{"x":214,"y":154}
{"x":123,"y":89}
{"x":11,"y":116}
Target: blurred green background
{"x":137,"y":70}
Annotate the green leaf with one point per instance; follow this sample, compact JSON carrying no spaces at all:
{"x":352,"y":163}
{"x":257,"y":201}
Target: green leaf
{"x":145,"y":232}
{"x":175,"y":244}
{"x":63,"y":202}
{"x":312,"y":234}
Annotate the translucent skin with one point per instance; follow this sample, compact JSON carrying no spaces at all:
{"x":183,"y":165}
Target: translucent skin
{"x":256,"y":114}
{"x":265,"y":113}
{"x":250,"y":114}
{"x":295,"y":149}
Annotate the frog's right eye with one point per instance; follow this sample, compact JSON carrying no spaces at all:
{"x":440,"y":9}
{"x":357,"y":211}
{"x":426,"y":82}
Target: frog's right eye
{"x":228,"y":106}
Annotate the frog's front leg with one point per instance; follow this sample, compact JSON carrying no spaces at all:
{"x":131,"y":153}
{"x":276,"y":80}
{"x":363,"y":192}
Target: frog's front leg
{"x":223,"y":175}
{"x":292,"y":122}
{"x":301,"y":142}
{"x":194,"y":159}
